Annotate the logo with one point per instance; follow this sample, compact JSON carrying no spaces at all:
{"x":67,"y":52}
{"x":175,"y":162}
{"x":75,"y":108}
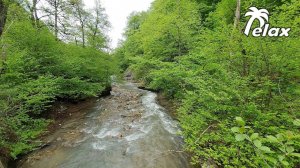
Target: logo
{"x":264,"y":29}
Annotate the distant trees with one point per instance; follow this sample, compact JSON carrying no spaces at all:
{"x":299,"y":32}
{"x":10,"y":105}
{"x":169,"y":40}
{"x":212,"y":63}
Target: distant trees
{"x":69,"y":20}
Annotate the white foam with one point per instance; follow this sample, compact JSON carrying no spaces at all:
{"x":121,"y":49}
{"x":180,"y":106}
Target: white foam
{"x":146,"y":128}
{"x":134,"y":136}
{"x":87,"y":130}
{"x":108,"y":133}
{"x":99,"y":146}
{"x":152,"y":108}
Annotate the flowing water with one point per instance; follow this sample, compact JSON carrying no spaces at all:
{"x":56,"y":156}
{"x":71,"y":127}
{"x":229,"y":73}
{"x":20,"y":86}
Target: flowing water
{"x":126,"y":130}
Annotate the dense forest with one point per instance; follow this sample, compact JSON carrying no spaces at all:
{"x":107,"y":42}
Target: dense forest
{"x":237,"y":96}
{"x":51,"y":51}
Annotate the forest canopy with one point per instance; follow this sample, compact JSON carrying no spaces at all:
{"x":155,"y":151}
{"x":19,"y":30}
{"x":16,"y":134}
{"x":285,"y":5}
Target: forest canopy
{"x":45,"y":58}
{"x":237,"y":97}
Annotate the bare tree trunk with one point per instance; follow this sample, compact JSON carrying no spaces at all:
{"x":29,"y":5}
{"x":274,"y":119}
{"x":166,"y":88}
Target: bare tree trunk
{"x":178,"y":29}
{"x":76,"y":42}
{"x":83,"y":34}
{"x":3,"y":15}
{"x":237,"y":14}
{"x":33,"y":11}
{"x":81,"y":20}
{"x":56,"y":18}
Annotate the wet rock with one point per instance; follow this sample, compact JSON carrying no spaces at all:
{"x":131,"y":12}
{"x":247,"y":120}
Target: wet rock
{"x":135,"y":115}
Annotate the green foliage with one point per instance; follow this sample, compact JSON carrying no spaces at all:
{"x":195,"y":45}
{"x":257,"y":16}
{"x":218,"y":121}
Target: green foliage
{"x":197,"y":57}
{"x":271,"y":151}
{"x":36,"y":70}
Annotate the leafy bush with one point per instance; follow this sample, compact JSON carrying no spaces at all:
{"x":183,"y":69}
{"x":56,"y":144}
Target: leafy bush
{"x":217,"y":73}
{"x":281,"y":149}
{"x":35,"y":71}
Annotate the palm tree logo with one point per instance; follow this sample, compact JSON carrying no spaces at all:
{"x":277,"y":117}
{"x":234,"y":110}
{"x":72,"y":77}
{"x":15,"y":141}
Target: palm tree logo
{"x":261,"y":15}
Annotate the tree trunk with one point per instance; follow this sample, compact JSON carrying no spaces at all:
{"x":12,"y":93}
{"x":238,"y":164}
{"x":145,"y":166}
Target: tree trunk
{"x":34,"y":16}
{"x":237,"y":14}
{"x":83,"y":34}
{"x":81,"y":20}
{"x":56,"y":18}
{"x":3,"y":15}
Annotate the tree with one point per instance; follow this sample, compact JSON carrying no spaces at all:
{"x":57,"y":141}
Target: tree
{"x":3,"y":15}
{"x":32,"y":5}
{"x":39,"y":70}
{"x":222,"y":75}
{"x":81,"y":16}
{"x":237,"y":14}
{"x":97,"y":26}
{"x":56,"y":15}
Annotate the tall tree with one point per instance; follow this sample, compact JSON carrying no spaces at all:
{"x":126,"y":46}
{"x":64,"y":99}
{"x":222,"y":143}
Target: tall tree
{"x":3,"y":15}
{"x":32,"y":6}
{"x":98,"y":24}
{"x":237,"y":14}
{"x":56,"y":13}
{"x":81,"y":16}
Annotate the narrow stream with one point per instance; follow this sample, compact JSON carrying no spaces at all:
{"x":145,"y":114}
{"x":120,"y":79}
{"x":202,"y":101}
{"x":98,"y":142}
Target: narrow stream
{"x":126,"y":130}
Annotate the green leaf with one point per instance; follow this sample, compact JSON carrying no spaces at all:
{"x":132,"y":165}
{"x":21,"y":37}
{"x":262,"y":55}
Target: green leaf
{"x":254,"y":136}
{"x":297,"y":122}
{"x":285,"y":163}
{"x":280,"y":137}
{"x":242,"y":130}
{"x":281,"y":157}
{"x":235,"y":129}
{"x":271,"y":138}
{"x":265,"y":149}
{"x":290,"y":149}
{"x":295,"y":154}
{"x":271,"y":159}
{"x":257,"y":143}
{"x":240,"y":137}
{"x":240,"y":121}
{"x":282,"y":149}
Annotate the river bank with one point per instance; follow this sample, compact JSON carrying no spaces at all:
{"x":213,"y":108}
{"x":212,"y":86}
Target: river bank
{"x":64,"y":116}
{"x":126,"y":129}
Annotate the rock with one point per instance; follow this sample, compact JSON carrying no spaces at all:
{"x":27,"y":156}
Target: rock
{"x":136,"y":115}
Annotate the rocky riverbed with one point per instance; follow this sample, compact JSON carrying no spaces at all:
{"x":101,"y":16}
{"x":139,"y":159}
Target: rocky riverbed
{"x":125,"y":130}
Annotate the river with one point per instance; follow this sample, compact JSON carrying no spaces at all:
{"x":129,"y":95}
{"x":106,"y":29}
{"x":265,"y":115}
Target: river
{"x":128,"y":129}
